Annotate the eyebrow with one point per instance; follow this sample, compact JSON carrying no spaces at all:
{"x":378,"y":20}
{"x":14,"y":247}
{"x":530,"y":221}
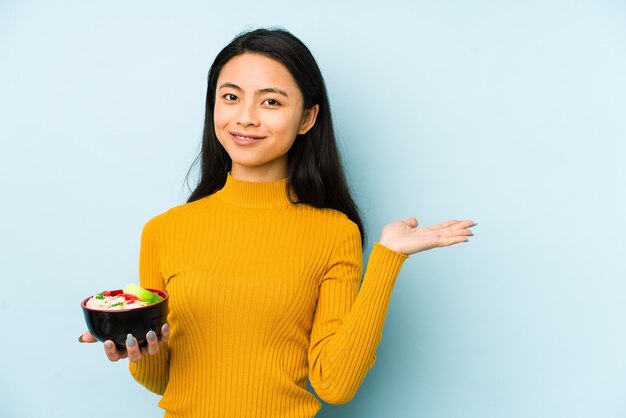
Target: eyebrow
{"x":261,"y":91}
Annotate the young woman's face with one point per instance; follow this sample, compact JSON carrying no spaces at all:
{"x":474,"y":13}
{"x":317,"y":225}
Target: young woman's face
{"x":259,"y":111}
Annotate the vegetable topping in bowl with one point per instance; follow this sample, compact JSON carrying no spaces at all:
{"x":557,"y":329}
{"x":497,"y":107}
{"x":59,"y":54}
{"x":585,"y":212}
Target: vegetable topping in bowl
{"x":131,"y":297}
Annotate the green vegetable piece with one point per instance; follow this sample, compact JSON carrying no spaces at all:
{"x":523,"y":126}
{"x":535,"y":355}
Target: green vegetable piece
{"x":143,"y":294}
{"x":100,"y":296}
{"x":117,"y":304}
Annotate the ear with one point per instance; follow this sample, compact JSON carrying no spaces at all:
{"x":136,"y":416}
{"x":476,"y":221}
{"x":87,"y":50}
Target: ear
{"x":308,"y":119}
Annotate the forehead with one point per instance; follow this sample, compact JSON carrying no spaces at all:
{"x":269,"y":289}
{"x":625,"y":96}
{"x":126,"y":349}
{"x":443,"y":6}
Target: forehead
{"x":254,"y":71}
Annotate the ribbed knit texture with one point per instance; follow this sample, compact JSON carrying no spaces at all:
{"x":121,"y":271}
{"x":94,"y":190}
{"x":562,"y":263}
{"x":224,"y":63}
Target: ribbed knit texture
{"x":263,"y":294}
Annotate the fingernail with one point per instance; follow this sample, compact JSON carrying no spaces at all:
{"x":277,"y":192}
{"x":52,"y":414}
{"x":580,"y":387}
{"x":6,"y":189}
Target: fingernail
{"x":108,"y":345}
{"x":80,"y":339}
{"x":151,"y":335}
{"x":130,"y":340}
{"x":166,"y":328}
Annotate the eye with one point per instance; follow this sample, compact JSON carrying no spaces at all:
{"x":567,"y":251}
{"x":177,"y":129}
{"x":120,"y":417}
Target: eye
{"x":230,"y":97}
{"x":271,"y":102}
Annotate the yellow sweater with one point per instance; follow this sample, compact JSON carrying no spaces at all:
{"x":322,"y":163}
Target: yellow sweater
{"x":263,"y":295}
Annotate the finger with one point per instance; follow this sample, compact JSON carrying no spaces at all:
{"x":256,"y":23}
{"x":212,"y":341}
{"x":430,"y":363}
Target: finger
{"x":462,"y":228}
{"x":153,"y":343}
{"x":461,"y":232}
{"x":448,"y":232}
{"x":134,"y":354}
{"x":443,"y":225}
{"x":412,"y":222}
{"x":165,"y":333}
{"x":463,"y":224}
{"x":112,"y":353}
{"x":453,"y":225}
{"x":447,"y":241}
{"x":86,"y":338}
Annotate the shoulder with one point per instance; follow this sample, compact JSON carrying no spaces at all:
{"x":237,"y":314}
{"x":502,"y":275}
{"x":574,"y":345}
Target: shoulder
{"x":348,"y":232}
{"x":336,"y":224}
{"x":326,"y":216}
{"x":346,"y":227}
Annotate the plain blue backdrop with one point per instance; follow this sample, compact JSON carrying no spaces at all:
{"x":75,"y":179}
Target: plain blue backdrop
{"x":509,"y":113}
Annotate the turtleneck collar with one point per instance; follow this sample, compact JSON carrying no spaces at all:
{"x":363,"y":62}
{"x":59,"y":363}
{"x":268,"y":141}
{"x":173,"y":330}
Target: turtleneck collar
{"x":249,"y":194}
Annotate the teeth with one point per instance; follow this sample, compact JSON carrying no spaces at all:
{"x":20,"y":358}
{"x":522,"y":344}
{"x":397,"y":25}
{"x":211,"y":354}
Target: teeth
{"x":245,"y":137}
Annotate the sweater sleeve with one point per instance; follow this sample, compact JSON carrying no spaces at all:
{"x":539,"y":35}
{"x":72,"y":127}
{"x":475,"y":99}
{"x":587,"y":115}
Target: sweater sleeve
{"x":152,"y":371}
{"x":348,"y":327}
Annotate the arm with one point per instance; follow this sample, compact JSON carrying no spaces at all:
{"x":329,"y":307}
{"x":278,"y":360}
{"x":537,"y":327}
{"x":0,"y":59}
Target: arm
{"x":347,"y":328}
{"x":152,"y":371}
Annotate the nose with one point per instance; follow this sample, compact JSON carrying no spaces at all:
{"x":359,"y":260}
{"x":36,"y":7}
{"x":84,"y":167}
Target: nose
{"x":247,"y":115}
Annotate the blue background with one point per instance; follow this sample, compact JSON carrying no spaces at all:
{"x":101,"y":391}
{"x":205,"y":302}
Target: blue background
{"x":509,"y":113}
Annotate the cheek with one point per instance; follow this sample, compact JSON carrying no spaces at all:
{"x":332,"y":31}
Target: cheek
{"x":220,"y":121}
{"x":283,"y":124}
{"x":220,"y":115}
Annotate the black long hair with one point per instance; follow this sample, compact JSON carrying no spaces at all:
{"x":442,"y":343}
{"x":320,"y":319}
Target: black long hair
{"x":314,"y":172}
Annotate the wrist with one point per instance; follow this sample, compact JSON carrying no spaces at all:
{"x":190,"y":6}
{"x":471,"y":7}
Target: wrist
{"x":385,"y":242}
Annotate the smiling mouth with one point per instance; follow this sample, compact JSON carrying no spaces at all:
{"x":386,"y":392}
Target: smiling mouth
{"x":246,"y":137}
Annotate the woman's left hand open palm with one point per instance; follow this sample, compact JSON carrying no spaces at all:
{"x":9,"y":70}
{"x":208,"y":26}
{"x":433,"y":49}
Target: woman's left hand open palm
{"x":404,"y":236}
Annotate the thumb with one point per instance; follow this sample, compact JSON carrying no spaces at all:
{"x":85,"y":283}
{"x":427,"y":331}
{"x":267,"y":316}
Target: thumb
{"x":86,"y":338}
{"x":412,"y":222}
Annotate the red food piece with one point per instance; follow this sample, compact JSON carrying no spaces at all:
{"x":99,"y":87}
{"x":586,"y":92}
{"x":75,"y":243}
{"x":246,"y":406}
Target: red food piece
{"x":129,"y":298}
{"x":107,"y":293}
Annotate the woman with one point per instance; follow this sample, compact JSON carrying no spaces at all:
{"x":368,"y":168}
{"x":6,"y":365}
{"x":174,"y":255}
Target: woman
{"x":263,"y":263}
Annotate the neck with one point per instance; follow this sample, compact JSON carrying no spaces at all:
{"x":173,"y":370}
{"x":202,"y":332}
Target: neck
{"x":257,"y":174}
{"x":253,"y":194}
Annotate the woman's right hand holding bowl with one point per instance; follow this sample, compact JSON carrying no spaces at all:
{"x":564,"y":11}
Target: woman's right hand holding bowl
{"x":133,"y":352}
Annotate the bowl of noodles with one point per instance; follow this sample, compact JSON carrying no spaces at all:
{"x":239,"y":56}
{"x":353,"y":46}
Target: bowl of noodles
{"x":113,"y":314}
